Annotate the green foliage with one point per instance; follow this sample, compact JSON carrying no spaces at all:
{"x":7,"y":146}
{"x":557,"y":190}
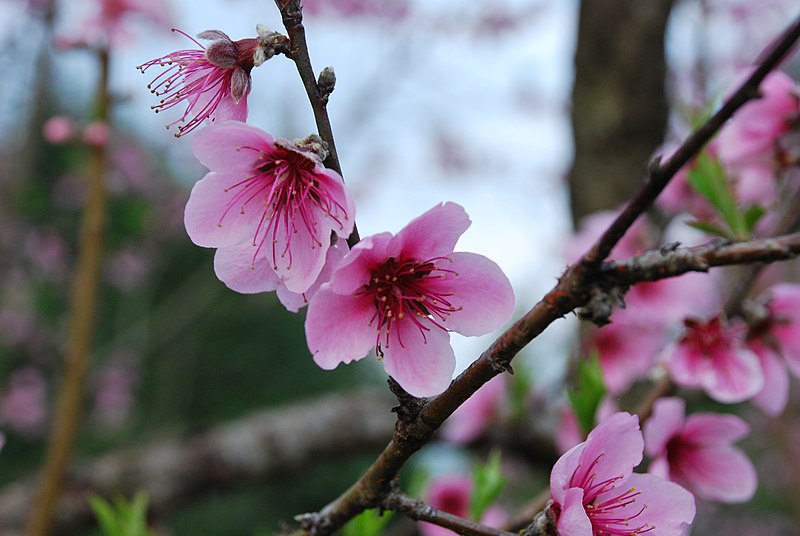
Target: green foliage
{"x":367,"y":523}
{"x":488,"y":481}
{"x":521,"y":382}
{"x":120,"y":517}
{"x":588,"y":393}
{"x":708,"y":178}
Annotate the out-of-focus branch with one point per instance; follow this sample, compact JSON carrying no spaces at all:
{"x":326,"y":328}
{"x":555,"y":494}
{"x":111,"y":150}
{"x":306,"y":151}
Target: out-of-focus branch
{"x":292,"y":15}
{"x":256,"y":447}
{"x":85,"y":287}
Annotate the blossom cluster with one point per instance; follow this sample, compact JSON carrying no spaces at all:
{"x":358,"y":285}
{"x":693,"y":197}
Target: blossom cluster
{"x":280,"y":220}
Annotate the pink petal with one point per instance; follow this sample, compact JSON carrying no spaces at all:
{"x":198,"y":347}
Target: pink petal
{"x":217,"y":146}
{"x":562,"y":472}
{"x":480,"y":288}
{"x":240,"y":271}
{"x":434,"y":233}
{"x":472,"y":418}
{"x":422,"y":366}
{"x":293,"y":301}
{"x":298,"y":265}
{"x":338,"y":328}
{"x":573,"y":520}
{"x":333,"y":184}
{"x":688,"y":367}
{"x":356,"y":269}
{"x":669,"y":506}
{"x":714,"y":429}
{"x":737,"y":377}
{"x":230,"y":110}
{"x":720,"y":473}
{"x":665,"y":423}
{"x":775,"y":394}
{"x":660,"y":467}
{"x":208,"y":220}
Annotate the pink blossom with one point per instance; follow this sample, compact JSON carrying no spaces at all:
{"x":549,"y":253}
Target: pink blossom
{"x":213,"y":82}
{"x":451,"y":494}
{"x":96,"y":134}
{"x":697,"y":452}
{"x":402,"y":295}
{"x":784,"y":322}
{"x":637,"y":240}
{"x":58,"y":130}
{"x":22,"y":405}
{"x":472,"y":418}
{"x":596,"y":493}
{"x":774,"y":395}
{"x":568,"y":432}
{"x":754,"y":130}
{"x":114,"y":392}
{"x":265,"y":201}
{"x":713,"y":356}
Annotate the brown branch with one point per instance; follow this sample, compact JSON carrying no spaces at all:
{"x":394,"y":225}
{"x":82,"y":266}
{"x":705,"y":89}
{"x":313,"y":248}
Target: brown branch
{"x":419,"y":511}
{"x":85,"y":288}
{"x":292,"y":15}
{"x":660,"y":174}
{"x":574,"y":289}
{"x":260,"y":446}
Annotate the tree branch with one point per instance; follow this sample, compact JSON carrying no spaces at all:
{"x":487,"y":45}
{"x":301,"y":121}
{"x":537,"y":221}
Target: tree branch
{"x":259,"y":446}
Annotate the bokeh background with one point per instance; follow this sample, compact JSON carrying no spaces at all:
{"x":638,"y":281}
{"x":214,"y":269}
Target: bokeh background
{"x":435,"y":100}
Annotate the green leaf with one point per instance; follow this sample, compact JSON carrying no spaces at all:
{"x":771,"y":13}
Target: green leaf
{"x":710,"y":228}
{"x":521,"y":382}
{"x":122,"y":518}
{"x":106,"y":518}
{"x":367,"y":523}
{"x":588,"y":393}
{"x":752,"y":216}
{"x":487,"y":484}
{"x":708,"y":178}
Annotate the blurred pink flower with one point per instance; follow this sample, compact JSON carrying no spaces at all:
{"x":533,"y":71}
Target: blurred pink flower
{"x":472,"y":418}
{"x":213,"y":82}
{"x":784,"y":322}
{"x":96,"y":134}
{"x":113,"y":394}
{"x":774,"y":395}
{"x":451,"y":494}
{"x":402,"y":295}
{"x":713,"y":356}
{"x":58,"y":130}
{"x":22,"y":406}
{"x":265,"y":198}
{"x":637,"y":240}
{"x":596,"y":493}
{"x":697,"y":452}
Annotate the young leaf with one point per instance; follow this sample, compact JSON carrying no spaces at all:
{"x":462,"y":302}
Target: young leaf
{"x":588,"y":393}
{"x":752,"y":216}
{"x":487,"y":483}
{"x":367,"y":523}
{"x":708,"y":178}
{"x":710,"y":228}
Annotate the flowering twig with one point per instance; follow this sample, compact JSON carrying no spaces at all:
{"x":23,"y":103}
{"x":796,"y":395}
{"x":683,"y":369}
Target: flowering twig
{"x":292,"y":15}
{"x":82,"y":316}
{"x":578,"y":286}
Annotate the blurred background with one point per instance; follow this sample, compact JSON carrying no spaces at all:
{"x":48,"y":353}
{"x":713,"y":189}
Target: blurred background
{"x":513,"y":108}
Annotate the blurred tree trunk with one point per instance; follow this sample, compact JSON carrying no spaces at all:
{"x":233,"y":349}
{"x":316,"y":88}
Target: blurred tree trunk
{"x":619,"y":104}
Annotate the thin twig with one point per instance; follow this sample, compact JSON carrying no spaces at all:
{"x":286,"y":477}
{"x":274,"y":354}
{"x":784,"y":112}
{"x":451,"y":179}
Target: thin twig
{"x":85,"y":288}
{"x":292,"y":15}
{"x":419,"y":511}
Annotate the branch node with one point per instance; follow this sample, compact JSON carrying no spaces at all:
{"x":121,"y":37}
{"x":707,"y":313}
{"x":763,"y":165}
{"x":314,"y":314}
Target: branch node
{"x":601,"y":304}
{"x":409,"y":406}
{"x":544,"y":523}
{"x":669,"y":247}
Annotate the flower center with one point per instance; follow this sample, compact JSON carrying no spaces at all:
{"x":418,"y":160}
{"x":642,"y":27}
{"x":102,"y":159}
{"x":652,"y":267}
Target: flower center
{"x":605,"y":516}
{"x":284,"y":187}
{"x":706,"y":337}
{"x":402,"y":291}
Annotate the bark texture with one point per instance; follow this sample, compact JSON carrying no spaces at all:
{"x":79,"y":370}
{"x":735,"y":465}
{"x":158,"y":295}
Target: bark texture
{"x":619,"y":104}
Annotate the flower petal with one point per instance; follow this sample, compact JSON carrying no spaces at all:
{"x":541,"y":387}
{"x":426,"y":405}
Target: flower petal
{"x":293,"y":301}
{"x":573,"y":521}
{"x":714,"y":429}
{"x":721,"y":474}
{"x":298,"y":258}
{"x":340,"y":220}
{"x":613,"y":449}
{"x":240,"y":271}
{"x":665,"y":423}
{"x":775,"y":394}
{"x":209,"y":220}
{"x":423,"y":366}
{"x":338,"y":328}
{"x":218,"y":146}
{"x":669,"y":506}
{"x":738,"y":376}
{"x":356,"y":269}
{"x":434,"y":233}
{"x":480,"y":289}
